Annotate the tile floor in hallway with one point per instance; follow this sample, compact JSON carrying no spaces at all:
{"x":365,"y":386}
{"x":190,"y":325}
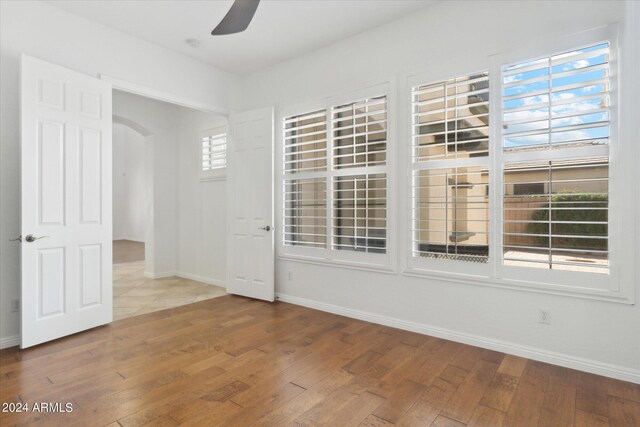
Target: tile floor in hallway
{"x":134,"y":294}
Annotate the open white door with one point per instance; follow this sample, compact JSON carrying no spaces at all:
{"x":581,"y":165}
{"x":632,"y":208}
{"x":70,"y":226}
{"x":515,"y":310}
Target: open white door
{"x":66,"y":202}
{"x":250,"y":190}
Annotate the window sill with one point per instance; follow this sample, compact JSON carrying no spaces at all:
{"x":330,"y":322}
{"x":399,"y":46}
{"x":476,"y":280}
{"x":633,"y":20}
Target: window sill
{"x":522,"y":285}
{"x":352,"y":265}
{"x":213,"y":178}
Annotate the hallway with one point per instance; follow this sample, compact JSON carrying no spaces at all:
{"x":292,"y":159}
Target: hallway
{"x":134,"y":294}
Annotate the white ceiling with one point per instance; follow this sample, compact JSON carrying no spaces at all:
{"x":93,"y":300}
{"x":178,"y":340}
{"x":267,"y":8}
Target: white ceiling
{"x":281,"y":29}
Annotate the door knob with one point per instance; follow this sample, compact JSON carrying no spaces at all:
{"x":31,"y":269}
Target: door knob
{"x":31,"y":238}
{"x":266,"y":228}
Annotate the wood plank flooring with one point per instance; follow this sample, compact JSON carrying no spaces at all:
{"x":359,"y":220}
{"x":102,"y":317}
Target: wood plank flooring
{"x":233,"y":361}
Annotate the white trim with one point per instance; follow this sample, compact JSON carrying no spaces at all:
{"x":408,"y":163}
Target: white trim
{"x":527,"y":285}
{"x":350,"y":264}
{"x":10,"y":341}
{"x":206,"y":280}
{"x":183,"y":275}
{"x":213,"y":178}
{"x":150,"y":275}
{"x":160,"y":95}
{"x":129,"y":239}
{"x":560,"y":359}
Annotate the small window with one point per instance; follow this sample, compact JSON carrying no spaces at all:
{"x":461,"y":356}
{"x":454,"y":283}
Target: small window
{"x":213,"y":153}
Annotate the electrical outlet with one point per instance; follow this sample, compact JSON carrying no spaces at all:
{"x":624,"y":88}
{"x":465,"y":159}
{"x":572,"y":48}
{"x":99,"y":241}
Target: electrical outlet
{"x":290,"y":276}
{"x":544,"y":316}
{"x":15,"y":305}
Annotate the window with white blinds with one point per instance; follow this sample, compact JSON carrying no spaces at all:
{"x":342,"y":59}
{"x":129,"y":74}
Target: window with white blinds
{"x":335,"y":178}
{"x":360,"y":213}
{"x":359,"y":158}
{"x":451,"y":118}
{"x":556,"y":113}
{"x":450,"y":194}
{"x":305,"y":143}
{"x":557,"y":101}
{"x":305,"y":194}
{"x":360,"y":133}
{"x":305,"y":212}
{"x":214,"y":151}
{"x":451,"y":213}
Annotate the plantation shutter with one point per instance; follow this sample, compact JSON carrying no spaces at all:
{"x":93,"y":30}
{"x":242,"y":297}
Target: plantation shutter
{"x":214,"y":151}
{"x":305,"y":195}
{"x":359,"y":147}
{"x":556,"y":113}
{"x":450,"y":183}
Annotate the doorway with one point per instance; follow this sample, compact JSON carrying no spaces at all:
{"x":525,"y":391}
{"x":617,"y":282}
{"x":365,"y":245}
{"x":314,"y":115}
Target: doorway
{"x":150,"y":140}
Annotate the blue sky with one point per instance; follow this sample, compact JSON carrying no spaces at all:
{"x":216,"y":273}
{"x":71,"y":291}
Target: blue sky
{"x":579,"y":101}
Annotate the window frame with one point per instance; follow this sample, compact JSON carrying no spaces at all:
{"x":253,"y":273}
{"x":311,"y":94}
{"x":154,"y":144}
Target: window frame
{"x":217,"y":174}
{"x":327,"y":255}
{"x":609,"y":287}
{"x":424,"y":265}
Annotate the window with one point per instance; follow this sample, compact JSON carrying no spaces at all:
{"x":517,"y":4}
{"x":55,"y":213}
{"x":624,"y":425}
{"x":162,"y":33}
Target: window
{"x":511,"y":175}
{"x":335,"y":180}
{"x":450,"y":206}
{"x":359,"y":144}
{"x":213,"y":160}
{"x":556,"y":174}
{"x":305,"y":199}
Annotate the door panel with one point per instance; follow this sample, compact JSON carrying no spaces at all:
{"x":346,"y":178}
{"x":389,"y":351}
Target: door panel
{"x":251,"y":231}
{"x":66,"y":202}
{"x":51,"y":285}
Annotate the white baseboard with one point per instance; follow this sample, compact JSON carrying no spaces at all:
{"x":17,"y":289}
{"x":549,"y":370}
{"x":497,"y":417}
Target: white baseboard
{"x":11,"y":341}
{"x":568,"y":361}
{"x":128,"y":238}
{"x":198,"y":278}
{"x":203,"y":279}
{"x":150,"y":275}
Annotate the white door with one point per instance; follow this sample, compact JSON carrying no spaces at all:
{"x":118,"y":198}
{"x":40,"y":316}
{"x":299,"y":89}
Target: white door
{"x":250,"y":190}
{"x":66,"y":202}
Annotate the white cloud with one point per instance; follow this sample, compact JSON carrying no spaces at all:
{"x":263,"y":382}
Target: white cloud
{"x":510,"y":79}
{"x":581,"y":63}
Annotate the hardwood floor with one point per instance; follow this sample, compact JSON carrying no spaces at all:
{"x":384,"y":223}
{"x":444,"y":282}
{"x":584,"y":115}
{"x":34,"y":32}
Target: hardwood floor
{"x":233,"y":361}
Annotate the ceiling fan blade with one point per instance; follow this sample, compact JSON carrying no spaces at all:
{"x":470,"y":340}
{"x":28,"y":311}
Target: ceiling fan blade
{"x":238,"y":17}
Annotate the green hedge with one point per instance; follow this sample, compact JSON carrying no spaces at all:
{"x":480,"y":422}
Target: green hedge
{"x":575,"y":215}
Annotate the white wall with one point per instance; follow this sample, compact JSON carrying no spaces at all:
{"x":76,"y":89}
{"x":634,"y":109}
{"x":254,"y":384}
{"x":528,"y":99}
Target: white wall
{"x":162,"y":122}
{"x":129,"y":184}
{"x":40,"y":30}
{"x":188,"y":217}
{"x":203,"y":208}
{"x":599,"y":336}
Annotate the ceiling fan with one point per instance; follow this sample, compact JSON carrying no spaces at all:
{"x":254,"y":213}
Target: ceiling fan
{"x":237,"y":18}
